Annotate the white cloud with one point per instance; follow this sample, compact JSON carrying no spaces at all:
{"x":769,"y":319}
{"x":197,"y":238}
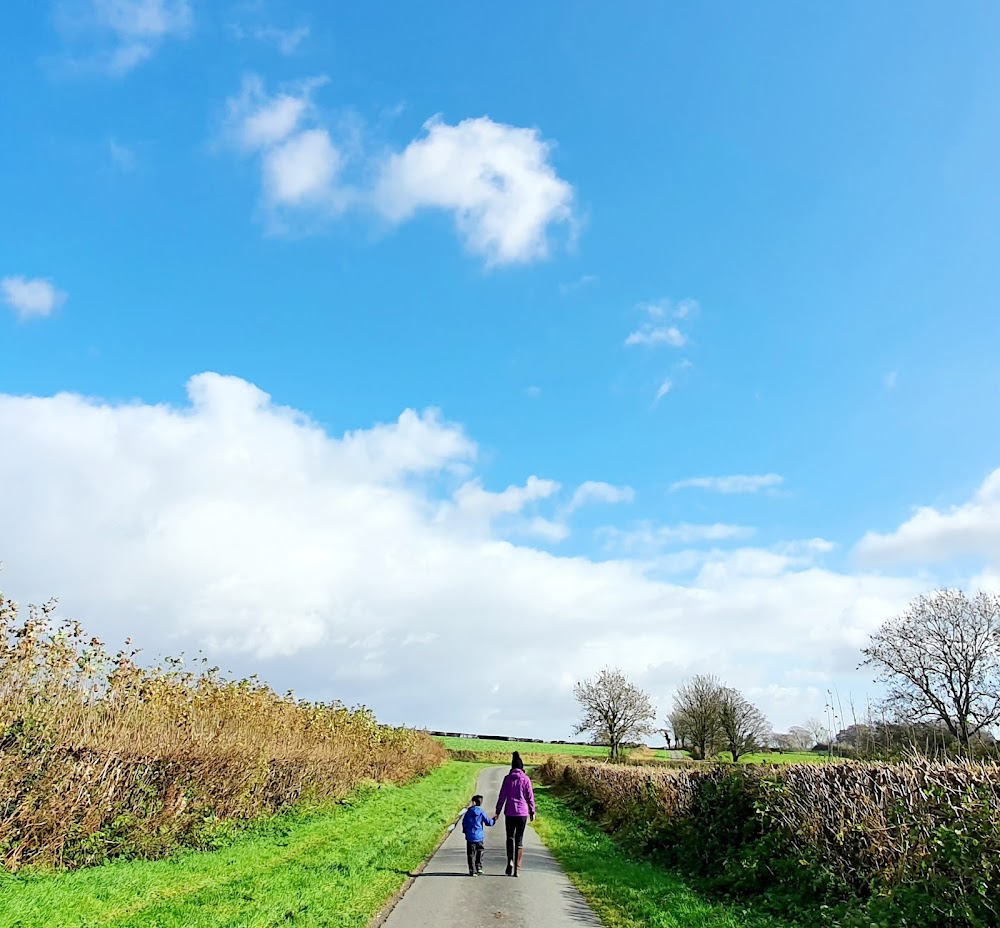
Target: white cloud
{"x":300,"y":163}
{"x":495,"y":179}
{"x":302,"y":169}
{"x":665,"y":309}
{"x":651,"y":336}
{"x":363,"y":566}
{"x":663,"y":390}
{"x":935,"y":535}
{"x":596,"y":491}
{"x":129,"y":31}
{"x":31,"y":297}
{"x":258,"y":120}
{"x":647,"y":537}
{"x":286,"y":41}
{"x":735,"y":483}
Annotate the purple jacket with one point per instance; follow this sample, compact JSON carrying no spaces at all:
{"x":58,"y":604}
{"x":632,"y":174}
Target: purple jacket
{"x":517,"y":793}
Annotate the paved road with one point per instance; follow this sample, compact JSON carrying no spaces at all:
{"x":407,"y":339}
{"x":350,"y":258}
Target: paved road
{"x":445,"y":896}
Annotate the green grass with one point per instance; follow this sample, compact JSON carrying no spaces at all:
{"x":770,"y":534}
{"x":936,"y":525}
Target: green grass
{"x":529,"y":747}
{"x":789,"y":757}
{"x":629,"y":893}
{"x":332,"y":867}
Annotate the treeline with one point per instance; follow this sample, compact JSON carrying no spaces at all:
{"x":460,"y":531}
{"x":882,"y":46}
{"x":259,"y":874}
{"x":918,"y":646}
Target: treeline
{"x":102,"y":757}
{"x":851,"y":844}
{"x":939,"y":661}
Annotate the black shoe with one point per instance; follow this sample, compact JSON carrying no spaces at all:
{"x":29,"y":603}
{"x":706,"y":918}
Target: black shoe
{"x":472,"y":873}
{"x":510,"y":869}
{"x":479,"y":872}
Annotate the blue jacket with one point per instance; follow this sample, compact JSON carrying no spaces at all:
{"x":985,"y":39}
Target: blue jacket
{"x":473,"y":821}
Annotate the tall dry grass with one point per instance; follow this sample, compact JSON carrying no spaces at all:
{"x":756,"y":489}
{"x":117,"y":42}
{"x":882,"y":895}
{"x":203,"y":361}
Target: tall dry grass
{"x":101,"y":756}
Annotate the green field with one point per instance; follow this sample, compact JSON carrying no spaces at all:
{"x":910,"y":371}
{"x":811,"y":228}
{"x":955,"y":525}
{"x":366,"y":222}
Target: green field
{"x":529,"y":747}
{"x":629,"y":893}
{"x":789,"y":757}
{"x":332,"y":867}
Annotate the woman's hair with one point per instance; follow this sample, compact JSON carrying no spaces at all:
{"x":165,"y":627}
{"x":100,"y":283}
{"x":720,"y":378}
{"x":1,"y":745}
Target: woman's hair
{"x":477,"y":800}
{"x":515,"y":761}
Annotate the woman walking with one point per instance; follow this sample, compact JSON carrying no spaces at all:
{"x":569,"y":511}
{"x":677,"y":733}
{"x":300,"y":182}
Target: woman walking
{"x":519,"y":798}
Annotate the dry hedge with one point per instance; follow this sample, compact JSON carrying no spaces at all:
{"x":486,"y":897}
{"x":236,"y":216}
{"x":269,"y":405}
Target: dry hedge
{"x":864,"y":828}
{"x":100,"y":757}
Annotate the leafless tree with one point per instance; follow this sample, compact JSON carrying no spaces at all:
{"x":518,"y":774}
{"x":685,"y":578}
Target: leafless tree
{"x":782,"y":741}
{"x":614,"y":709}
{"x":696,"y":718}
{"x":800,"y":738}
{"x":941,"y":660}
{"x":818,"y":731}
{"x":743,"y":727}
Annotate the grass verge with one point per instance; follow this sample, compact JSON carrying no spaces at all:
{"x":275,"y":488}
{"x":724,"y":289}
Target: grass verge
{"x":626,"y":892}
{"x":332,"y":867}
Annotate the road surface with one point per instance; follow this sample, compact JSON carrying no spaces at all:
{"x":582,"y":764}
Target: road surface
{"x":443,"y":895}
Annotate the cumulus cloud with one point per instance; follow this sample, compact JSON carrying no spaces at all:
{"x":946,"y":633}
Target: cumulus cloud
{"x":935,"y":535}
{"x":359,"y":566}
{"x":495,"y":179}
{"x":735,"y":483}
{"x":31,"y":297}
{"x":300,"y":163}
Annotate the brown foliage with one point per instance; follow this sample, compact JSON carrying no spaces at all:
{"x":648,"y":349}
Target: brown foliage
{"x":871,"y":824}
{"x":101,"y":757}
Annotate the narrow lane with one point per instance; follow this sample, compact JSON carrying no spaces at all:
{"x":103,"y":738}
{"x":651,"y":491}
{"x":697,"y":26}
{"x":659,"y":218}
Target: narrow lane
{"x":445,"y":896}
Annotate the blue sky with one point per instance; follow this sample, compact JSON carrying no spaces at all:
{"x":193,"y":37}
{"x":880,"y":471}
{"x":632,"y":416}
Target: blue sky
{"x":616,"y":248}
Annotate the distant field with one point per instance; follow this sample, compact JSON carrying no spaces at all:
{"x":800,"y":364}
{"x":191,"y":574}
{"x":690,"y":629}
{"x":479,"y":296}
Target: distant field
{"x":789,"y":757}
{"x":529,"y":747}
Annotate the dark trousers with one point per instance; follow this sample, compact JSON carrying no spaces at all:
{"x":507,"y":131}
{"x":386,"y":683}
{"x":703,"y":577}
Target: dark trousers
{"x":474,"y":851}
{"x":515,"y":825}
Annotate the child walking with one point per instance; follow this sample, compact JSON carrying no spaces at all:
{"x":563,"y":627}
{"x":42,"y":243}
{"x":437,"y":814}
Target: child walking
{"x":472,"y":825}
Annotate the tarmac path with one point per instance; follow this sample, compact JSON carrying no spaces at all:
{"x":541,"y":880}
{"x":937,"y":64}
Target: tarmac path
{"x":443,"y":895}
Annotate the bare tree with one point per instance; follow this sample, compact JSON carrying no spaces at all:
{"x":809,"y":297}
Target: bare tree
{"x":800,"y":738}
{"x":818,"y":731}
{"x":696,"y":718}
{"x":941,"y":660}
{"x":614,"y":709}
{"x":743,"y":727}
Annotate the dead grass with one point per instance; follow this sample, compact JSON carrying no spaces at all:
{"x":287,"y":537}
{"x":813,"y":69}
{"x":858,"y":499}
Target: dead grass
{"x":102,"y":757}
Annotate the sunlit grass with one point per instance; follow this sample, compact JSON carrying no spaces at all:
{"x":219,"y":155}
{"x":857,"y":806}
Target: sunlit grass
{"x":332,"y":867}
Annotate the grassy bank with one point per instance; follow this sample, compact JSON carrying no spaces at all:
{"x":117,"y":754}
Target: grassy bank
{"x":627,"y":892}
{"x":334,"y":867}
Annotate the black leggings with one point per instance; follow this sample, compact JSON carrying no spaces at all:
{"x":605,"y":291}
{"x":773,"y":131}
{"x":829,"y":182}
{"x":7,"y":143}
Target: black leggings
{"x":515,"y":825}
